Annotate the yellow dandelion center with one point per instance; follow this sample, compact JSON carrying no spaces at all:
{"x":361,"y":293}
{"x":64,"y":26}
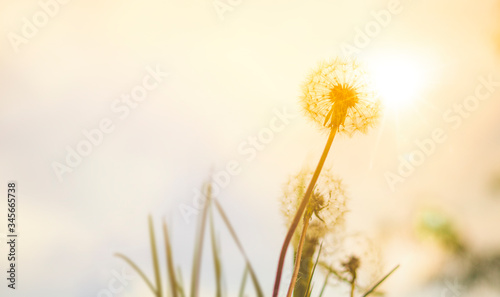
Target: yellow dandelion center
{"x":344,"y":95}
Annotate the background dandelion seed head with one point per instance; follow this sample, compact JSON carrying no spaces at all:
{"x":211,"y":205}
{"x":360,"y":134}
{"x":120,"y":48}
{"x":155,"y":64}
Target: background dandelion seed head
{"x":341,"y":248}
{"x":328,"y":203}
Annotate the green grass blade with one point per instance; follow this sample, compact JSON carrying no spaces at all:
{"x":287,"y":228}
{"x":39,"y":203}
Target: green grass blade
{"x":324,"y":284}
{"x":309,"y":292}
{"x":314,"y":269}
{"x":138,"y":270}
{"x":335,"y":273}
{"x":170,"y":261}
{"x":243,"y":281}
{"x":180,"y":283}
{"x":154,"y":253}
{"x":195,"y":273}
{"x":240,"y":247}
{"x":381,"y":281}
{"x":217,"y":261}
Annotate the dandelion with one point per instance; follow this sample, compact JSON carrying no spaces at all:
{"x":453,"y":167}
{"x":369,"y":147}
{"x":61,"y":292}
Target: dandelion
{"x":324,"y":215}
{"x":351,"y":266}
{"x":337,"y":97}
{"x":327,"y":206}
{"x":353,"y":258}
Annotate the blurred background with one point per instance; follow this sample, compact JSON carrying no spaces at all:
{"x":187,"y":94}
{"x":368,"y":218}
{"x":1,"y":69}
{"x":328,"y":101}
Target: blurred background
{"x":233,"y":67}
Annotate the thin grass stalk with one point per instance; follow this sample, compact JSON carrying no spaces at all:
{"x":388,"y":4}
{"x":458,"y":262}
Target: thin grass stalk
{"x":224,"y":217}
{"x":380,"y":282}
{"x":195,"y":273}
{"x":300,"y":211}
{"x":310,"y":291}
{"x":154,"y":254}
{"x":243,"y":282}
{"x":170,"y":261}
{"x":309,"y":287}
{"x":324,"y":284}
{"x":215,"y":254}
{"x":337,"y":274}
{"x":298,"y":257}
{"x":180,"y":283}
{"x":138,"y":270}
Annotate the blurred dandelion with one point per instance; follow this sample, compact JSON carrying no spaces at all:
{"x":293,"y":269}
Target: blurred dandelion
{"x":353,"y":259}
{"x":337,"y":96}
{"x":351,"y":266}
{"x":328,"y":203}
{"x":325,"y":214}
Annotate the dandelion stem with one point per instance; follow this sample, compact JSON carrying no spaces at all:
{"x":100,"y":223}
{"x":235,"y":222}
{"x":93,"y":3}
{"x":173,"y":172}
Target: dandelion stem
{"x":298,"y":256}
{"x":353,"y":284}
{"x":300,"y":210}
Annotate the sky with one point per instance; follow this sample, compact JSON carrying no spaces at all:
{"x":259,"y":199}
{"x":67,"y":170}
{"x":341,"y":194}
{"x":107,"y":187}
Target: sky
{"x":216,"y":78}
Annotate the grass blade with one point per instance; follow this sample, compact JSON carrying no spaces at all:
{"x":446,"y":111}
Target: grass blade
{"x":335,"y":273}
{"x":180,"y":283}
{"x":243,"y":281}
{"x":324,"y":284}
{"x":138,"y":270}
{"x":195,"y":273}
{"x":255,"y":281}
{"x":381,"y":281}
{"x":309,"y":292}
{"x":314,"y":269}
{"x":154,"y":253}
{"x":217,"y":261}
{"x":170,"y":261}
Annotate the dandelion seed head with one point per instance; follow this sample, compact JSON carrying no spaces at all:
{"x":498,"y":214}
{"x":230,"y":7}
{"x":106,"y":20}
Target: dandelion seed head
{"x":337,"y":95}
{"x":327,"y":205}
{"x":347,"y":253}
{"x":352,"y":265}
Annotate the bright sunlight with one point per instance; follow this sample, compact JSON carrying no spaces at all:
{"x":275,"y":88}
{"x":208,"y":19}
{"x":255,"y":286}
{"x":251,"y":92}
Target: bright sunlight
{"x":398,"y":79}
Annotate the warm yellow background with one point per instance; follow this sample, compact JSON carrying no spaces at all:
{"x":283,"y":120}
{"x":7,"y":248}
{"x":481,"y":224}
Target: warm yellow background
{"x":225,"y":78}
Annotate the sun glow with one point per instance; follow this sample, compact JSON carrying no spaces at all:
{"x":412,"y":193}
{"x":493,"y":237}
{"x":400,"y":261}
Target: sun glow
{"x":399,"y":80}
